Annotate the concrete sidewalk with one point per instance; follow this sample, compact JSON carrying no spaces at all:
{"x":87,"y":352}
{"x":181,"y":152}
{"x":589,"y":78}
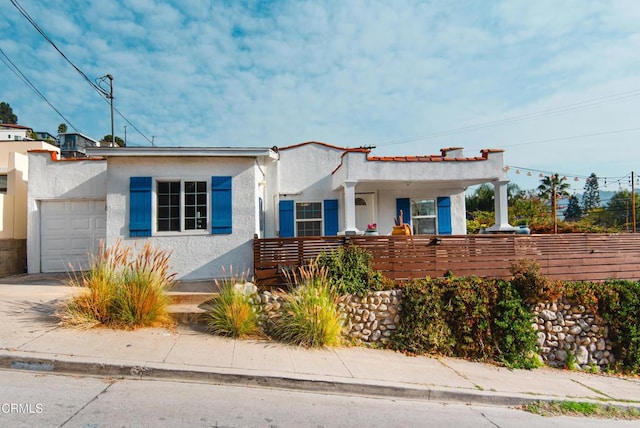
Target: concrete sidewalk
{"x":30,"y":339}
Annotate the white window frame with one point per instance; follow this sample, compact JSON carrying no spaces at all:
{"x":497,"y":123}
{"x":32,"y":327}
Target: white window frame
{"x":434,"y":216}
{"x":182,"y":231}
{"x":308,"y":220}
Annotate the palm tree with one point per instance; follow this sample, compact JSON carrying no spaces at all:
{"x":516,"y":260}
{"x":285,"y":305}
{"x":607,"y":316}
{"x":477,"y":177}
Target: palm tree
{"x":551,"y":188}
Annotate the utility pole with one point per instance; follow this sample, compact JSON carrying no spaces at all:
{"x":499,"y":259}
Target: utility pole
{"x":109,"y":96}
{"x":113,"y":135}
{"x":554,"y":207}
{"x":633,"y":203}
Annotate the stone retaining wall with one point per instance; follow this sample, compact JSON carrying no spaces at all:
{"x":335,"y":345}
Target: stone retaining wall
{"x":563,"y":328}
{"x":13,"y":256}
{"x":370,"y":318}
{"x":566,"y":329}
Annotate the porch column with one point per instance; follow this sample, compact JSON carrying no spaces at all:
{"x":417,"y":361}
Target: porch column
{"x":350,"y":207}
{"x":501,"y":208}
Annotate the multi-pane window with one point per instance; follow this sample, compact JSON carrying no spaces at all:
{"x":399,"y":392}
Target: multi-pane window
{"x":308,"y":218}
{"x":423,"y":216}
{"x":181,"y":205}
{"x":195,"y":205}
{"x":3,"y":183}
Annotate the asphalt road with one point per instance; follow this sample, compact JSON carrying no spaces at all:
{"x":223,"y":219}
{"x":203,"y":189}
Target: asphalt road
{"x":45,"y":400}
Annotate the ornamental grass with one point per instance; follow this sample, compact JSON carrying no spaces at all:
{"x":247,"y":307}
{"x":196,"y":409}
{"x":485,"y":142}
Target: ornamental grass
{"x":310,"y":316}
{"x":121,"y":289}
{"x":235,"y":311}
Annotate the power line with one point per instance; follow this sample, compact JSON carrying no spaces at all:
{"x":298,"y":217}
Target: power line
{"x":95,"y":87}
{"x":556,"y":110}
{"x":14,"y":68}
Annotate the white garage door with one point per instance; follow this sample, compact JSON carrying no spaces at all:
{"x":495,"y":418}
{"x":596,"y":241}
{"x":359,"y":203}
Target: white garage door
{"x":70,"y":231}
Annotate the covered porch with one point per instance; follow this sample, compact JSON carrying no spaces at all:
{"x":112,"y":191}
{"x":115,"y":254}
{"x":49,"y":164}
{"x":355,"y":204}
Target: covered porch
{"x":374,"y":190}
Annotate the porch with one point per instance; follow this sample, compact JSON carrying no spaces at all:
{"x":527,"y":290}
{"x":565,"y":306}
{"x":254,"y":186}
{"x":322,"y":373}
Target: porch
{"x":588,"y":257}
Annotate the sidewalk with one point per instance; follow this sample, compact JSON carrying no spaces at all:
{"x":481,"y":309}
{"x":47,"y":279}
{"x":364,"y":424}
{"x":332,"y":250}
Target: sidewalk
{"x":30,"y":339}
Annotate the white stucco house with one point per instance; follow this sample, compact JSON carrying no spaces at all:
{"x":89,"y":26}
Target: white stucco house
{"x":206,"y":205}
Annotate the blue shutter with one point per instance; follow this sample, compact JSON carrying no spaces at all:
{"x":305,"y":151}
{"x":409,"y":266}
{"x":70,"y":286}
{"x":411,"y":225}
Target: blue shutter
{"x":404,"y":205}
{"x":287,"y":219}
{"x":330,"y":217}
{"x":221,"y":205}
{"x":444,"y":216}
{"x":140,"y":206}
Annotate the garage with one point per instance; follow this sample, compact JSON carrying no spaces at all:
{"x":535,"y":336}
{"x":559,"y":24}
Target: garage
{"x":71,"y":230}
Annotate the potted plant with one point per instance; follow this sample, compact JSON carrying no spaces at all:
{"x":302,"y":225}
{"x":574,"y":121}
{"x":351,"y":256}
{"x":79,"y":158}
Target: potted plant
{"x":372,"y":229}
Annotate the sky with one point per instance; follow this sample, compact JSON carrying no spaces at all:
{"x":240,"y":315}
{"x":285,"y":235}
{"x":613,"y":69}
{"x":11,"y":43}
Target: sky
{"x":555,"y":83}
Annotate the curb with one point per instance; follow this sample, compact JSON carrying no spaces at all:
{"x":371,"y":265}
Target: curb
{"x":74,"y":365}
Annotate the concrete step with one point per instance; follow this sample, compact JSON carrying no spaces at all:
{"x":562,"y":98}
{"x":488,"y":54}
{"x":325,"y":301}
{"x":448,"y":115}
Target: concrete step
{"x":191,"y":297}
{"x":188,"y":313}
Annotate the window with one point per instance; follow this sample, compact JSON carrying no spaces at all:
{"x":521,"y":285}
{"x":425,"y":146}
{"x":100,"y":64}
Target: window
{"x":308,"y":218}
{"x":423,"y":216}
{"x":3,"y":183}
{"x":181,"y":205}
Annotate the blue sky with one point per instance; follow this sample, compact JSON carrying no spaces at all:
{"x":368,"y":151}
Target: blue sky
{"x":554,"y":83}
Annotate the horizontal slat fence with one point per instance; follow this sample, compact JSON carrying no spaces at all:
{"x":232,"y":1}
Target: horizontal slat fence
{"x":589,"y":257}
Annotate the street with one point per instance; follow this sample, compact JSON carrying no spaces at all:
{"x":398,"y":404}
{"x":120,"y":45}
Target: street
{"x":46,"y":400}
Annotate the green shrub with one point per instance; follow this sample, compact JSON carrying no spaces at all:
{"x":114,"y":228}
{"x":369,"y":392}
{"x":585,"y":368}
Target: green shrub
{"x":121,"y":290}
{"x":349,"y":270}
{"x":234,"y":312}
{"x":422,"y":328}
{"x":309,"y":313}
{"x":619,"y":305}
{"x":466,"y":317}
{"x":513,"y":332}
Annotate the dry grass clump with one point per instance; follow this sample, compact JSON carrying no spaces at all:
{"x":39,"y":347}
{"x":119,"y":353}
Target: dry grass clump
{"x":235,"y":311}
{"x":310,"y":316}
{"x":122,"y":289}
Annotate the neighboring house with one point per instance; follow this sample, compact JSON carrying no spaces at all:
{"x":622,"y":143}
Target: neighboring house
{"x":75,"y":145}
{"x":10,"y":132}
{"x":206,"y":205}
{"x":14,"y":169}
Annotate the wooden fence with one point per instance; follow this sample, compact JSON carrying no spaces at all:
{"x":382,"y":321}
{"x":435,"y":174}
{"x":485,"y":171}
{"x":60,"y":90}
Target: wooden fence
{"x":589,"y":257}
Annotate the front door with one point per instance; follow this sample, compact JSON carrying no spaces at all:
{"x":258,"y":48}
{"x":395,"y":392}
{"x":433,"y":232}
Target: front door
{"x":365,"y":210}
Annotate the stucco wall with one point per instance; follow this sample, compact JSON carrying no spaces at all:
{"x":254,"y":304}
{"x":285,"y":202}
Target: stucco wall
{"x":305,"y":174}
{"x":13,"y":209}
{"x":201,"y":255}
{"x":63,"y":180}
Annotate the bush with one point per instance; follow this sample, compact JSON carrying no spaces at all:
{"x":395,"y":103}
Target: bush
{"x":349,"y":271}
{"x":619,"y":305}
{"x":121,"y":291}
{"x":514,"y":335}
{"x":466,"y":317}
{"x":310,"y":316}
{"x":531,"y":284}
{"x":234,"y":312}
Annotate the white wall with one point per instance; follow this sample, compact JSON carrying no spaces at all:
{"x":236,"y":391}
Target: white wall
{"x":195,"y":256}
{"x":304,"y":175}
{"x":63,"y":180}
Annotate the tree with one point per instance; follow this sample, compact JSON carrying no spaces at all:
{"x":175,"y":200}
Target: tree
{"x":481,"y":200}
{"x":591,"y":195}
{"x":551,"y":188}
{"x":573,"y":211}
{"x":108,"y":138}
{"x":62,"y":128}
{"x":618,"y":212}
{"x":6,"y":114}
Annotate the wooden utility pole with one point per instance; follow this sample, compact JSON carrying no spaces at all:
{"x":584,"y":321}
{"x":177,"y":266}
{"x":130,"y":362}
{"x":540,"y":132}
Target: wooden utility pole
{"x":633,"y":203}
{"x":554,"y":207}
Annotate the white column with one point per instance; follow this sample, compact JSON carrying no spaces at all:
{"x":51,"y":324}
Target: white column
{"x":501,"y":208}
{"x":350,"y":207}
